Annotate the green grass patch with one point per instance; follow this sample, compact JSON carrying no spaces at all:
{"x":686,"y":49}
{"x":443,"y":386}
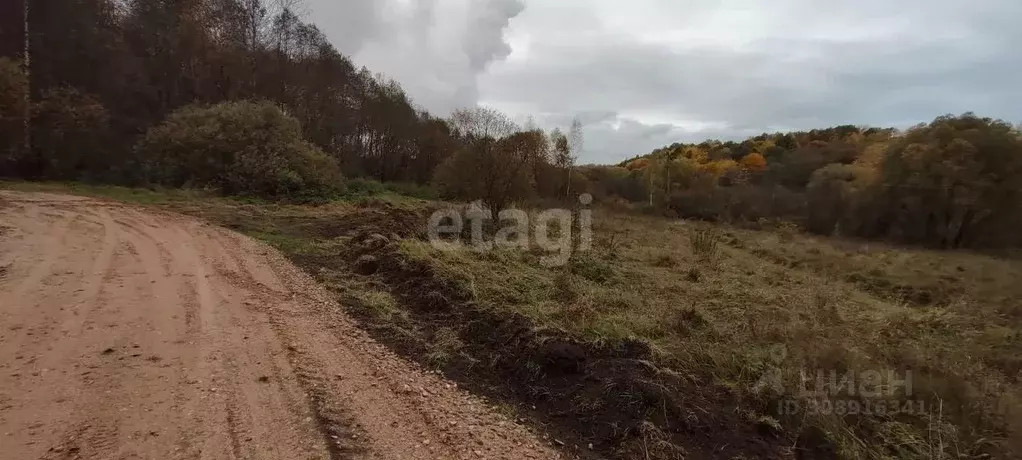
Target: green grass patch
{"x":285,"y":243}
{"x":126,"y":194}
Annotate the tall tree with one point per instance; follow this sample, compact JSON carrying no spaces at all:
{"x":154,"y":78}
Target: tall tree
{"x":495,"y":164}
{"x":577,"y":137}
{"x":26,"y":118}
{"x":562,"y":159}
{"x":955,"y":182}
{"x":14,"y":45}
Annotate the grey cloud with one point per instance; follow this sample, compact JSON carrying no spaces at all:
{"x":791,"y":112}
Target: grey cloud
{"x":742,"y":67}
{"x":348,"y":23}
{"x":789,"y":82}
{"x":716,"y":85}
{"x":585,"y":117}
{"x":484,"y":40}
{"x":436,"y":49}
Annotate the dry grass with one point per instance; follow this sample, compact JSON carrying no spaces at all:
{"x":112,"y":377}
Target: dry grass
{"x":737,"y":305}
{"x":732,"y":305}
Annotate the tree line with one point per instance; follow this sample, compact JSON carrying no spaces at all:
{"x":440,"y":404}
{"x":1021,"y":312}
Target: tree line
{"x":101,"y":73}
{"x":244,"y":97}
{"x":147,"y":91}
{"x":955,"y":182}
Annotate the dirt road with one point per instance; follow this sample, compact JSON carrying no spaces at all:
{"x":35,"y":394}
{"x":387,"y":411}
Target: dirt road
{"x":128,"y":333}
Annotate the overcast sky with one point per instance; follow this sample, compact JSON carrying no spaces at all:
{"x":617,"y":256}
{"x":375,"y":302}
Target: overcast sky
{"x":646,"y":73}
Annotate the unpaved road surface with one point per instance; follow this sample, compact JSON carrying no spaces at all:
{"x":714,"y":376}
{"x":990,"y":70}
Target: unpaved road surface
{"x":128,"y":333}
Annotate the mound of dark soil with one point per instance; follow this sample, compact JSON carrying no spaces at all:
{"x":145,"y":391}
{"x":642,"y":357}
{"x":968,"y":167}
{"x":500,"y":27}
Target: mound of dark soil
{"x":614,"y":397}
{"x":385,"y":220}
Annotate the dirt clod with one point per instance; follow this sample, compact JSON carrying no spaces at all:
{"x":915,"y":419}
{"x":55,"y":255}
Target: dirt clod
{"x":367,"y":264}
{"x":564,"y":357}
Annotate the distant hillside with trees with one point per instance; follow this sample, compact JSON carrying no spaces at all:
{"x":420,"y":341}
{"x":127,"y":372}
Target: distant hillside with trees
{"x":953,"y":183}
{"x":244,"y":97}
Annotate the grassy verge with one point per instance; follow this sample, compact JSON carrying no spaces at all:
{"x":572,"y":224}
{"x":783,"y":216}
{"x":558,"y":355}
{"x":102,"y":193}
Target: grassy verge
{"x":672,"y":339}
{"x":125,"y":194}
{"x":851,"y":349}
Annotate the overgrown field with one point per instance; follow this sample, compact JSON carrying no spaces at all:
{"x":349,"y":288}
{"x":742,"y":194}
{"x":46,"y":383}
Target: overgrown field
{"x":674,"y":339}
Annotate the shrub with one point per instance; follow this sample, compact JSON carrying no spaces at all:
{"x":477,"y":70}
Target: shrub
{"x":702,"y":200}
{"x":837,"y":195}
{"x":369,"y":187}
{"x":243,"y":148}
{"x":495,"y":171}
{"x":69,"y":134}
{"x":410,"y":189}
{"x":364,"y":187}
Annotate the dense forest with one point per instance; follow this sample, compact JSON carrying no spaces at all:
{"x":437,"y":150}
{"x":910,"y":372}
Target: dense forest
{"x":180,"y":93}
{"x":244,"y":97}
{"x":103,"y":72}
{"x":955,"y":182}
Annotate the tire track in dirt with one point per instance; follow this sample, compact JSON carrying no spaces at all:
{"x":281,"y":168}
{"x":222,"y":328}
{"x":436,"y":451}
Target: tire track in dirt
{"x":100,"y":436}
{"x":225,"y":425}
{"x":95,"y":428}
{"x":344,"y":437}
{"x":169,"y":263}
{"x":179,"y":340}
{"x":170,"y":306}
{"x":404,"y":413}
{"x":261,"y":358}
{"x":93,"y":283}
{"x":28,"y":318}
{"x":43,"y":267}
{"x":100,"y":428}
{"x":47,"y":356}
{"x":162,"y":260}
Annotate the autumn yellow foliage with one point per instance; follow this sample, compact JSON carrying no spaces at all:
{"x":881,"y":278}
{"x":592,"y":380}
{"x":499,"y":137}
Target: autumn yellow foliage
{"x":640,"y":163}
{"x":719,"y":168}
{"x":754,"y":162}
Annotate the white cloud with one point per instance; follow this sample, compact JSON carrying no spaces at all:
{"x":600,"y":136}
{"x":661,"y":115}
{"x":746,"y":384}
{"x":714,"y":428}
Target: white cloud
{"x":436,"y":49}
{"x":652,"y":72}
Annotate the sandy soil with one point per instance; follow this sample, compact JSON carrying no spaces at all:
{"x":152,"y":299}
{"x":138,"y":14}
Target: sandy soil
{"x":128,"y":333}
